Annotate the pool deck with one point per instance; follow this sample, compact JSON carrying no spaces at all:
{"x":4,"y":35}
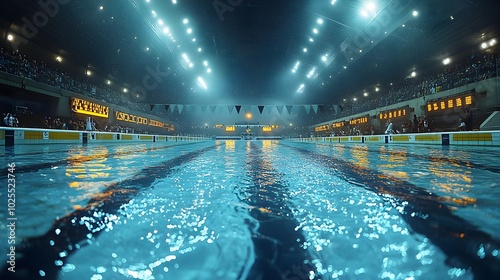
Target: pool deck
{"x":459,"y":138}
{"x":33,"y":136}
{"x":11,"y":136}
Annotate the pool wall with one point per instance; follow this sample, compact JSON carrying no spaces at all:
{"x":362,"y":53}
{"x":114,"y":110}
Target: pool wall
{"x":34,"y":136}
{"x":469,"y":138}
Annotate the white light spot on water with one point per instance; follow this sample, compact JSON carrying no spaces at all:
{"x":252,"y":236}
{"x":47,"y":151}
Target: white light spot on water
{"x":481,"y":253}
{"x":68,"y":267}
{"x":101,"y":269}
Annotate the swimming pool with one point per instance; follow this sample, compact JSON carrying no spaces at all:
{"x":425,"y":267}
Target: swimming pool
{"x":254,"y":210}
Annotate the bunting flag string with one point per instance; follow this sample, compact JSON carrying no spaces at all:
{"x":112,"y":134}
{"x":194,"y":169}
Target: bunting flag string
{"x":308,"y":109}
{"x":315,"y":108}
{"x":194,"y":108}
{"x":261,"y":108}
{"x":280,"y":109}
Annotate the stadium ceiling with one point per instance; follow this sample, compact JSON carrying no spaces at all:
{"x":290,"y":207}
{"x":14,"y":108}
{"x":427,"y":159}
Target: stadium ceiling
{"x":255,"y":51}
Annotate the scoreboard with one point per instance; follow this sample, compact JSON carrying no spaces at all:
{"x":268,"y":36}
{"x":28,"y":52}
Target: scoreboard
{"x":449,"y":103}
{"x":393,"y":114}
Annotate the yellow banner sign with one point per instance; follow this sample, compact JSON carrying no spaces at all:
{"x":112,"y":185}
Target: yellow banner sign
{"x":89,"y":108}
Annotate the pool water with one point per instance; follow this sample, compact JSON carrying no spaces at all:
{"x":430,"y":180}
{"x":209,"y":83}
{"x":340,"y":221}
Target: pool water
{"x":254,"y":210}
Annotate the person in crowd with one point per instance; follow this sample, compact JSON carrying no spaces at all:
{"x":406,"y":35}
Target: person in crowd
{"x":468,"y":120}
{"x":88,"y":124}
{"x":415,"y":124}
{"x":461,"y":126}
{"x":13,"y":121}
{"x":389,"y":129}
{"x":426,"y":124}
{"x":6,"y":119}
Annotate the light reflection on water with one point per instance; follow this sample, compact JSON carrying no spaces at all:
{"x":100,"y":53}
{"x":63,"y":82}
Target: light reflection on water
{"x":193,"y":225}
{"x":189,"y":225}
{"x":450,"y":173}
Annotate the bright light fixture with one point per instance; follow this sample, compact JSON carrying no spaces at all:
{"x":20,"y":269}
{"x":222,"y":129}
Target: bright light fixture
{"x":413,"y":74}
{"x":202,"y":83}
{"x":370,"y":9}
{"x":305,"y":49}
{"x":415,"y":13}
{"x":10,"y":37}
{"x":185,"y":21}
{"x":125,"y":90}
{"x":301,"y":88}
{"x":58,"y":59}
{"x":189,"y":30}
{"x":320,"y":21}
{"x":166,"y":30}
{"x":160,"y":22}
{"x":446,"y":61}
{"x":315,"y":31}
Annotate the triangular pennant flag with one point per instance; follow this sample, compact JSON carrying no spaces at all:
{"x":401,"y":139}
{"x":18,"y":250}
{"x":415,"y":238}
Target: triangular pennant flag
{"x":230,"y":108}
{"x":167,"y":106}
{"x":308,"y":108}
{"x":151,"y":107}
{"x":172,"y":108}
{"x":203,"y":108}
{"x":321,"y":109}
{"x":336,"y":108}
{"x":238,"y":108}
{"x":180,"y":108}
{"x":280,"y":109}
{"x":261,"y":108}
{"x":315,"y":108}
{"x":289,"y":108}
{"x":247,"y":108}
{"x":212,"y":108}
{"x":269,"y":109}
